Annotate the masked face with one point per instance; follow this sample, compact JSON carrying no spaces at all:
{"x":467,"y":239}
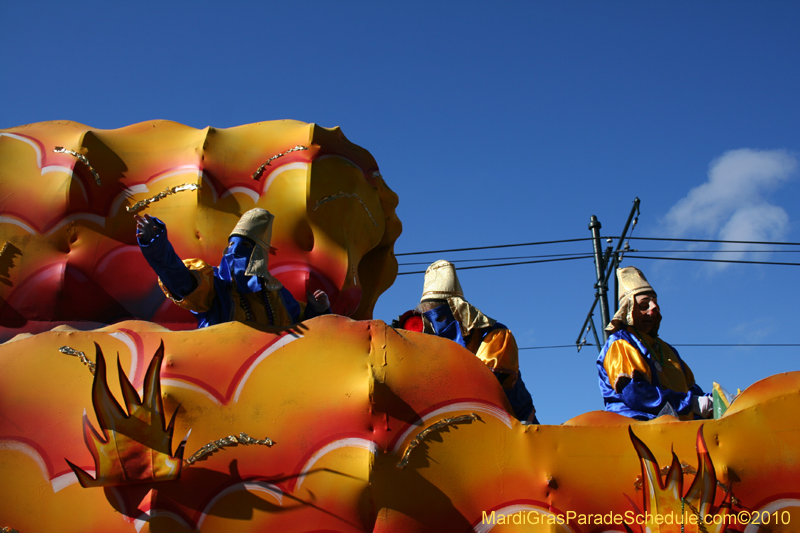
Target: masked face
{"x":239,"y":246}
{"x":234,"y":264}
{"x":444,"y":324}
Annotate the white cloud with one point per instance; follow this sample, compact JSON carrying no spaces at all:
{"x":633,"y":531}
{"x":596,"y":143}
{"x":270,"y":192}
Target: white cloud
{"x":762,"y":222}
{"x":731,"y":205}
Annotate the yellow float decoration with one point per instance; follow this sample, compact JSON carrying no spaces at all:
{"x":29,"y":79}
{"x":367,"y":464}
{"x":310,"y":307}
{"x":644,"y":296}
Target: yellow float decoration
{"x":346,"y":425}
{"x":69,"y":193}
{"x":333,"y":425}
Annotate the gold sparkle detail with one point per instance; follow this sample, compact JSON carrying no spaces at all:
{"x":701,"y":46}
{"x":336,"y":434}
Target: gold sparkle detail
{"x":260,"y":170}
{"x":416,"y":441}
{"x":82,"y":158}
{"x":142,"y":204}
{"x":80,"y":355}
{"x":230,"y":440}
{"x":342,"y":194}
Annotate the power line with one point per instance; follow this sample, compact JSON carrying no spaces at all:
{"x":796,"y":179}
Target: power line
{"x":588,"y":256}
{"x":456,"y":261}
{"x":506,"y":264}
{"x":493,"y":246}
{"x":682,"y":345}
{"x":665,"y":239}
{"x":714,"y":251}
{"x":548,"y":347}
{"x":737,"y":345}
{"x":709,"y":240}
{"x":500,"y":258}
{"x":712,"y":260}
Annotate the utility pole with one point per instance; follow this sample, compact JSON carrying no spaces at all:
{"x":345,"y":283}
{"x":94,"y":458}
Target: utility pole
{"x":605,"y":267}
{"x":601,"y":287}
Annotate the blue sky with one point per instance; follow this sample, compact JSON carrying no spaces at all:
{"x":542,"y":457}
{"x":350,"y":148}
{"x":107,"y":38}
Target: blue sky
{"x":495,"y":124}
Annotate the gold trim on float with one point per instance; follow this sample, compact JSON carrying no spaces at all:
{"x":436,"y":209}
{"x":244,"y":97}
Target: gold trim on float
{"x":260,"y":170}
{"x":142,"y":204}
{"x":230,"y":440}
{"x":82,"y":158}
{"x":80,"y":355}
{"x":416,"y":441}
{"x":342,"y":194}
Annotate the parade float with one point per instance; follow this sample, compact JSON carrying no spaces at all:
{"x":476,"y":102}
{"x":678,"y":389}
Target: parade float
{"x":117,"y":416}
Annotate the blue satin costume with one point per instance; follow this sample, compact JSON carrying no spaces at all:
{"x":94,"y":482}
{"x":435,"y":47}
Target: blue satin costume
{"x":446,"y":326}
{"x":179,"y":281}
{"x":645,"y":395}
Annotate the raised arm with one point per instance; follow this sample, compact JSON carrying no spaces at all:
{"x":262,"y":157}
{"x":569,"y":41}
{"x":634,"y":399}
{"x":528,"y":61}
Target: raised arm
{"x":151,"y":234}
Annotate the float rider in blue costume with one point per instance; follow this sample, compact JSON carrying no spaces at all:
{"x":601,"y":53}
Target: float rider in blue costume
{"x":443,"y":312}
{"x":239,"y":289}
{"x":640,"y":375}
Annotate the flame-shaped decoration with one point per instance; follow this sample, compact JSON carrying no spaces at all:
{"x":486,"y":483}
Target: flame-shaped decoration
{"x":134,"y":447}
{"x":692,"y":512}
